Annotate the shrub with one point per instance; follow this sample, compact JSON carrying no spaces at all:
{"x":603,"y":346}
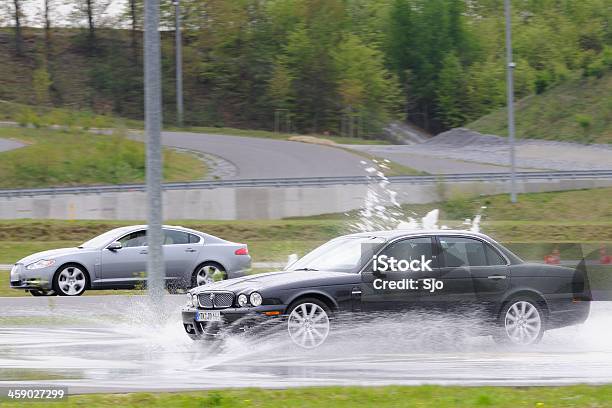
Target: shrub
{"x":584,"y":121}
{"x":26,"y":117}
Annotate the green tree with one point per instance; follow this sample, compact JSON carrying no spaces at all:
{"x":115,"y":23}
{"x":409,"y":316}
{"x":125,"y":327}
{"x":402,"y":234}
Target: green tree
{"x":451,"y":93}
{"x":421,"y":34}
{"x":364,"y":85}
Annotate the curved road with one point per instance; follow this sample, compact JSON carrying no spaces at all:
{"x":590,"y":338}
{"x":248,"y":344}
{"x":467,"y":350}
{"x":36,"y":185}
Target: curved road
{"x":268,"y":158}
{"x":112,"y":344}
{"x":456,"y":151}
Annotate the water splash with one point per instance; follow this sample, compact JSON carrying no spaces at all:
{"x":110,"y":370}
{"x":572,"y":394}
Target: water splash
{"x":382,"y":211}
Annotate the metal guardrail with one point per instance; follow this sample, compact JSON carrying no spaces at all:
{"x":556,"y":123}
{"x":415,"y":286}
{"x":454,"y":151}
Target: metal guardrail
{"x":314,"y":182}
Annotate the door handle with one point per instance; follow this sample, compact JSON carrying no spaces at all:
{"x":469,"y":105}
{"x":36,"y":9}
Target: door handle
{"x":497,"y":277}
{"x":144,"y":252}
{"x":190,"y":250}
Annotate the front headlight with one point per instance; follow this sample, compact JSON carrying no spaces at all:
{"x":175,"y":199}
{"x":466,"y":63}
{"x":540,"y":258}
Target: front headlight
{"x":242,"y":300}
{"x":255,"y":299}
{"x":43,"y":263}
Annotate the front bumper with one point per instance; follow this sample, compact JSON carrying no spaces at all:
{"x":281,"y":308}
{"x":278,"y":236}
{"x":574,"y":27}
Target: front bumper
{"x":233,"y":320}
{"x":22,"y":278}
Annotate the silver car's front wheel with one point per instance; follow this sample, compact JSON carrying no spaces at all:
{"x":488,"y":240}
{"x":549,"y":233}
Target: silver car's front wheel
{"x":71,"y":280}
{"x":208,"y":273}
{"x":308,"y":323}
{"x":523,"y":322}
{"x":41,"y":292}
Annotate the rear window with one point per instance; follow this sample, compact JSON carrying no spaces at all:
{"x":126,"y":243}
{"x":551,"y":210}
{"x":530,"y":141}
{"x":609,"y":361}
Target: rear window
{"x":460,"y":251}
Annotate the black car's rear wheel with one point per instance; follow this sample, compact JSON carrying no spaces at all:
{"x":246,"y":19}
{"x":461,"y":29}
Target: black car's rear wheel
{"x":522,"y":321}
{"x":308,"y":322}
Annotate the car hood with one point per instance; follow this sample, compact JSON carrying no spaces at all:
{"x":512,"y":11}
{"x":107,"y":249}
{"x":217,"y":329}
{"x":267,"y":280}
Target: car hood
{"x":282,"y":280}
{"x":51,"y":254}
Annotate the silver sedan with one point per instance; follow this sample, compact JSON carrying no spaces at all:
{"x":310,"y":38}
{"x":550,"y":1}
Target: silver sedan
{"x":117,"y":260}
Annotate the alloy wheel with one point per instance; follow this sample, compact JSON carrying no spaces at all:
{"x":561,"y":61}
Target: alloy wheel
{"x":71,"y":281}
{"x":523,"y":323}
{"x":308,"y":325}
{"x":205,"y":275}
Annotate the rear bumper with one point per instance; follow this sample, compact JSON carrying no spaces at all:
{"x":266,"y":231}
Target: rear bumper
{"x":233,"y":320}
{"x":576,"y":314}
{"x":239,"y":266}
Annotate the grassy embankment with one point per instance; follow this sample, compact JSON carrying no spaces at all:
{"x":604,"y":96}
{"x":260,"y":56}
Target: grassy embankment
{"x":578,"y":110}
{"x":76,"y":157}
{"x":533,"y":227}
{"x":340,"y":397}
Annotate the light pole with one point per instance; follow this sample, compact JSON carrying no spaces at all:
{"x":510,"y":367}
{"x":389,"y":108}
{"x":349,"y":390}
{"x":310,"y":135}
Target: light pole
{"x":179,"y":64}
{"x":153,"y":122}
{"x":510,"y":96}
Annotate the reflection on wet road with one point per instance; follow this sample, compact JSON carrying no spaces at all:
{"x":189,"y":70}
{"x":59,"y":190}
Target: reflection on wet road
{"x":97,"y":344}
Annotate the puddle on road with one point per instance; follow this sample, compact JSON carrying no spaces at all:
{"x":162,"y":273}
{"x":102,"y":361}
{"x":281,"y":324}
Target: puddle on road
{"x":133,"y":354}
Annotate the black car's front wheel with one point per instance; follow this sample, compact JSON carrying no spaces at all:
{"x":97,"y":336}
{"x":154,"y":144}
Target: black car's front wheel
{"x":308,"y":322}
{"x":522,"y":321}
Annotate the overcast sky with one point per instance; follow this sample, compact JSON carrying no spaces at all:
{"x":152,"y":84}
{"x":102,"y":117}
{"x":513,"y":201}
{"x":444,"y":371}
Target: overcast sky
{"x":33,"y":11}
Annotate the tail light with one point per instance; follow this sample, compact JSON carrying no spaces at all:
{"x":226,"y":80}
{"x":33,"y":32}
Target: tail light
{"x":242,"y":251}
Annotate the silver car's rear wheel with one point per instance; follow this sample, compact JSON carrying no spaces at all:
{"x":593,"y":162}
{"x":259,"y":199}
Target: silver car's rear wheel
{"x":208,"y":273}
{"x":523,"y":322}
{"x":71,"y":280}
{"x":308,"y":323}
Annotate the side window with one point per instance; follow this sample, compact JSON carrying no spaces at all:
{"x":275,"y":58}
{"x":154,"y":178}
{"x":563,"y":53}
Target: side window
{"x":493,"y":257}
{"x":459,"y":251}
{"x":135,"y":239}
{"x":172,"y":237}
{"x":409,"y":249}
{"x":193,"y":239}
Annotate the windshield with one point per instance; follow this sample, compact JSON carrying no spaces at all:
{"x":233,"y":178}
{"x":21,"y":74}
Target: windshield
{"x":102,"y":239}
{"x":346,"y":254}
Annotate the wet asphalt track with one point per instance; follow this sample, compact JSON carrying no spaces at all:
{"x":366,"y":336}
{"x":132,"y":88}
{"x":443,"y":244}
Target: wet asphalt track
{"x":110,"y":344}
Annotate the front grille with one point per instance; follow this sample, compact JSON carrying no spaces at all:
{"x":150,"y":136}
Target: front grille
{"x":216,"y":300}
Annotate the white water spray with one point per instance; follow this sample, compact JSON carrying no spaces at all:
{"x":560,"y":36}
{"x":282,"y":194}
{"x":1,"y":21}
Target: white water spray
{"x":382,"y":211}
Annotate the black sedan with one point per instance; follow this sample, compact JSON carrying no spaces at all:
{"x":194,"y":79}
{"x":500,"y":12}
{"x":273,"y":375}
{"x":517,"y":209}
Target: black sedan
{"x":390,"y":272}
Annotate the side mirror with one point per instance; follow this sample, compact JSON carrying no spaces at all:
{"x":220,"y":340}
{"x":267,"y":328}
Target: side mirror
{"x":114,"y":246}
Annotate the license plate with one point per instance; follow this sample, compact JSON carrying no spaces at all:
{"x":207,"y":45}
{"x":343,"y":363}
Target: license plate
{"x":208,"y":316}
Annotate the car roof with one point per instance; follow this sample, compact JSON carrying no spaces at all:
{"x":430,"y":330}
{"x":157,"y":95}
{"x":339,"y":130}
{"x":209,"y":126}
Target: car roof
{"x":393,"y":234}
{"x":144,"y":226}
